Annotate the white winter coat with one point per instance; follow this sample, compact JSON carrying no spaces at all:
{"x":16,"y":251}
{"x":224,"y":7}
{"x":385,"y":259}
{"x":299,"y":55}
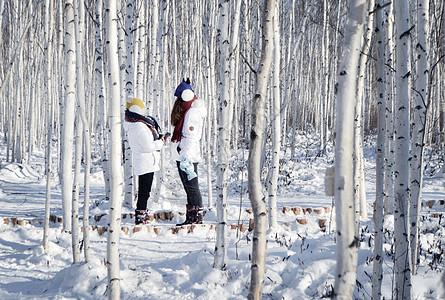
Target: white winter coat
{"x":144,"y":149}
{"x":190,"y":140}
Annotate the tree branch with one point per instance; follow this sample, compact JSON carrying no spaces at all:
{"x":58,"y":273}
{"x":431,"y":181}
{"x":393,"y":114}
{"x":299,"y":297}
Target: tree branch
{"x":245,"y":60}
{"x":379,"y":7}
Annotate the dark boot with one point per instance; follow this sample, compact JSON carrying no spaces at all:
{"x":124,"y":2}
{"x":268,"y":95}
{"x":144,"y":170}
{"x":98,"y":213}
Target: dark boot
{"x":199,"y":214}
{"x":189,"y":216}
{"x":140,"y":217}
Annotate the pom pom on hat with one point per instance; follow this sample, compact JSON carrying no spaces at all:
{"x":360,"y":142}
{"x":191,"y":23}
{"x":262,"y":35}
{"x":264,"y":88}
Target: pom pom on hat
{"x":135,"y":105}
{"x":185,"y":91}
{"x":187,"y":95}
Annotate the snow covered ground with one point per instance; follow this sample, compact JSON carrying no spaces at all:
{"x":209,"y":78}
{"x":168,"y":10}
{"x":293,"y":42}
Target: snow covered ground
{"x":158,"y":263}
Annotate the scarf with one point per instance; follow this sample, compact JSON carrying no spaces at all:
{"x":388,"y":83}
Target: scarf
{"x":177,"y":132}
{"x":147,"y":120}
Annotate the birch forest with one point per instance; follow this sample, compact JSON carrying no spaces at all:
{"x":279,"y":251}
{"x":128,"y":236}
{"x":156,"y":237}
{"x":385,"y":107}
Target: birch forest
{"x":347,"y":71}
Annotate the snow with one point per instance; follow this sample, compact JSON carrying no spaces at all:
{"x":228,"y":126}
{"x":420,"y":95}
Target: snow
{"x":301,"y":258}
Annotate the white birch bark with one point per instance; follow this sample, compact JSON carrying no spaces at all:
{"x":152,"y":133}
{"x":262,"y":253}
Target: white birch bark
{"x":140,"y":66}
{"x":234,"y":54}
{"x":359,"y":165}
{"x":76,"y":190}
{"x":129,"y":91}
{"x":402,"y":256}
{"x":389,"y":157}
{"x":276,"y":121}
{"x":129,"y":48}
{"x":256,"y":195}
{"x":347,"y":240}
{"x":68,"y":116}
{"x":49,"y":123}
{"x":114,"y":217}
{"x":324,"y":77}
{"x":377,"y":275}
{"x":85,"y":134}
{"x":153,"y":86}
{"x":100,"y":96}
{"x":418,"y":139}
{"x":211,"y":95}
{"x":60,"y":84}
{"x":223,"y":146}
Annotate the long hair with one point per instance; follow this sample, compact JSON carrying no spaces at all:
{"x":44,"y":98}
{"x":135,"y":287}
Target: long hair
{"x":176,"y":111}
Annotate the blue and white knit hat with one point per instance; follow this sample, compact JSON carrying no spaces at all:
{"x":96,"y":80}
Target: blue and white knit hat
{"x":184,"y":91}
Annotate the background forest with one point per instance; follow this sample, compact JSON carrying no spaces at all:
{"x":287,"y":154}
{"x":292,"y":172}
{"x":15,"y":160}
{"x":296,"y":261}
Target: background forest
{"x":344,"y":71}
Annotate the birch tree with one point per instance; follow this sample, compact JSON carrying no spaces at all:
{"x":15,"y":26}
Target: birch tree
{"x":389,"y":115}
{"x":419,"y":126}
{"x":127,"y":69}
{"x":223,"y":146}
{"x":49,"y":122}
{"x":347,"y":240}
{"x":359,"y":164}
{"x":114,"y":217}
{"x":100,"y":95}
{"x":377,"y":275}
{"x":276,"y":124}
{"x":80,"y":37}
{"x":76,"y":189}
{"x":402,"y":263}
{"x":256,"y":195}
{"x":68,"y":116}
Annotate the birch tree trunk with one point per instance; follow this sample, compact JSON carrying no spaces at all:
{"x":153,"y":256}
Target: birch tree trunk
{"x":256,"y":195}
{"x":389,"y":157}
{"x":69,"y":108}
{"x":234,"y":54}
{"x":418,"y":139}
{"x":114,"y":217}
{"x":80,"y":37}
{"x":211,"y":83}
{"x":402,"y":256}
{"x":347,"y":240}
{"x":76,"y":190}
{"x":359,"y":164}
{"x":276,"y":121}
{"x":101,"y":99}
{"x":377,"y":275}
{"x":223,"y":136}
{"x":125,"y":56}
{"x":49,"y":121}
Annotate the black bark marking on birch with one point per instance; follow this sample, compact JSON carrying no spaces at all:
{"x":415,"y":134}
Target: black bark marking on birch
{"x":407,"y":75}
{"x":354,"y":243}
{"x":379,"y":7}
{"x":253,"y":135}
{"x":343,"y":73}
{"x":406,"y":33}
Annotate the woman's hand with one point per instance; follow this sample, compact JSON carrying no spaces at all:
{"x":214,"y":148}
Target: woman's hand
{"x":165,"y":137}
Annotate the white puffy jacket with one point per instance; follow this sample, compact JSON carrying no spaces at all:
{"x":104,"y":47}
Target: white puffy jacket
{"x":190,"y":140}
{"x":144,"y":148}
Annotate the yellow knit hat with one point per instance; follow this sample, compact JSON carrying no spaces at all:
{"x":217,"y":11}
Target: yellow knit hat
{"x":135,"y":105}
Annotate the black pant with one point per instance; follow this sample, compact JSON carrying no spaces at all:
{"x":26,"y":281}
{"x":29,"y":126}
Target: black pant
{"x":144,"y":189}
{"x":191,"y":187}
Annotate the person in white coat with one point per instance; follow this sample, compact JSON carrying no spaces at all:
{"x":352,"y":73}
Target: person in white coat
{"x":145,"y":141}
{"x":188,"y":116}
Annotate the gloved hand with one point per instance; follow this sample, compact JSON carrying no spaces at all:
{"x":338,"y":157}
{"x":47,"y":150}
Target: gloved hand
{"x":187,"y":166}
